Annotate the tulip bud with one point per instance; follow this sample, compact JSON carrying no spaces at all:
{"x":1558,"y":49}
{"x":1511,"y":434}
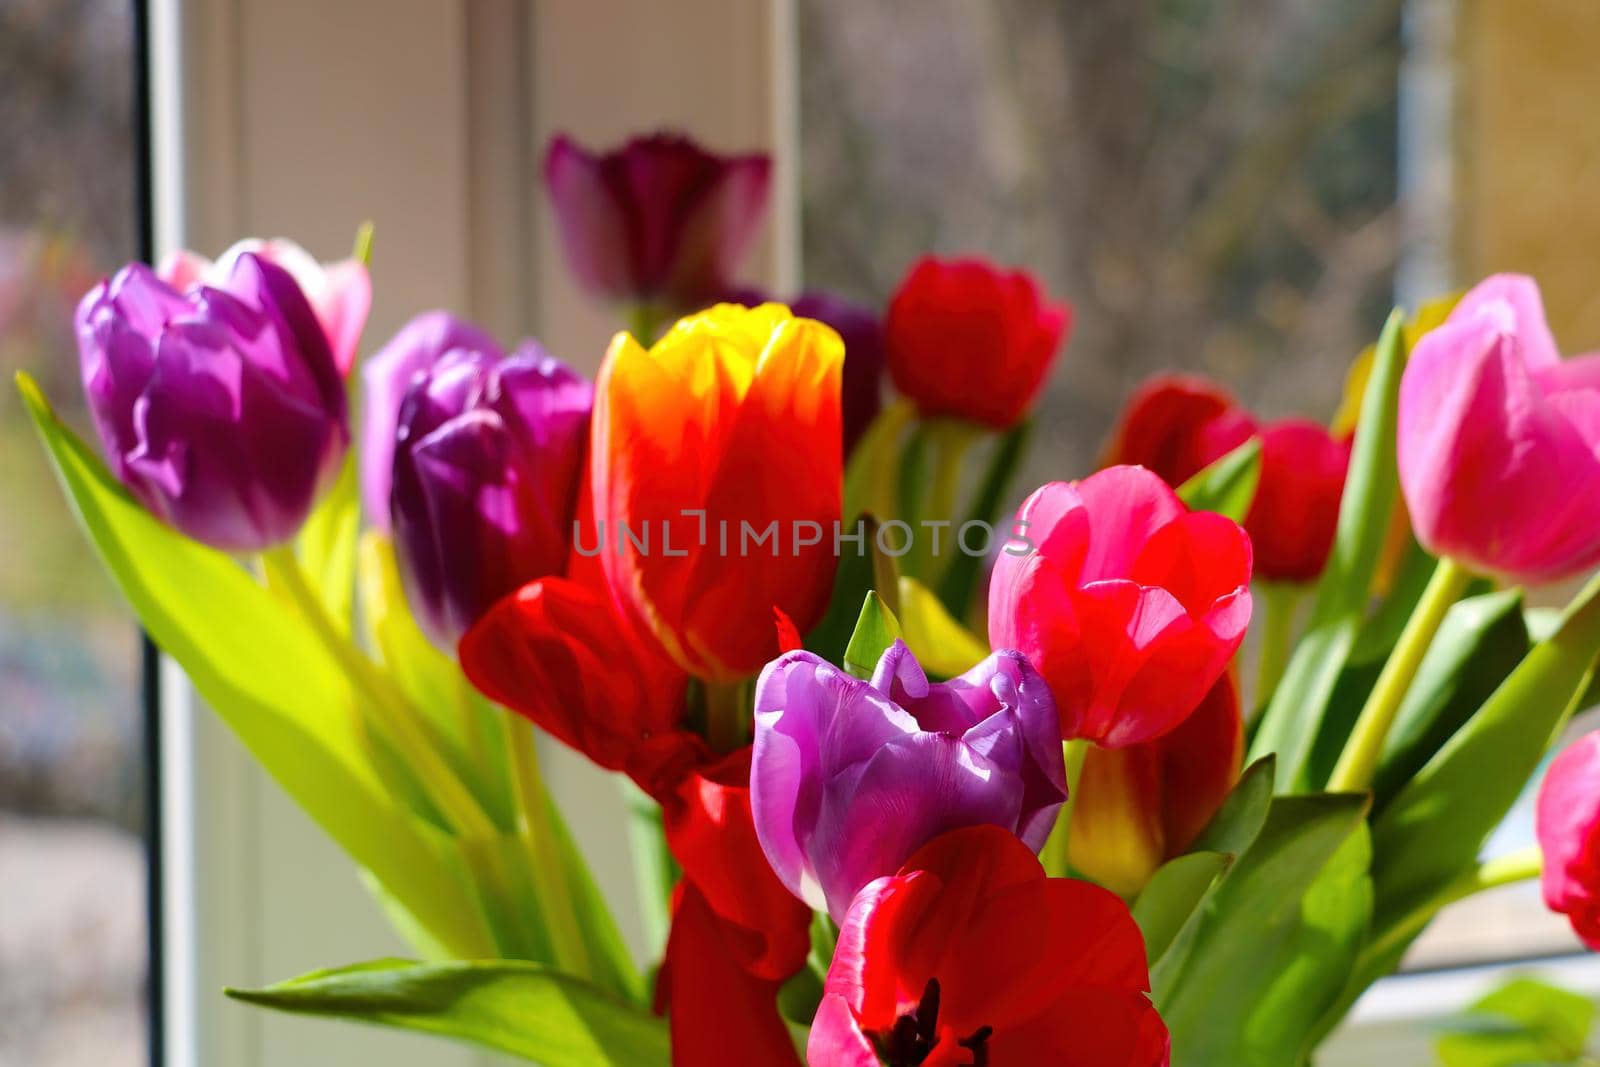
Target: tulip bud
{"x":657,"y":221}
{"x":1178,"y":424}
{"x":1295,"y":513}
{"x":717,"y":480}
{"x":970,"y":340}
{"x":488,"y":455}
{"x":220,"y":408}
{"x":1499,"y":439}
{"x":1568,"y":826}
{"x":1139,"y":806}
{"x":339,"y":293}
{"x":850,"y":777}
{"x":1128,"y":603}
{"x":385,"y":379}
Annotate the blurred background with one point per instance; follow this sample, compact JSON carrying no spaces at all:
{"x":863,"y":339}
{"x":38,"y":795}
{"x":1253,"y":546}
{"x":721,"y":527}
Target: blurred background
{"x":1236,"y":187}
{"x":72,"y":889}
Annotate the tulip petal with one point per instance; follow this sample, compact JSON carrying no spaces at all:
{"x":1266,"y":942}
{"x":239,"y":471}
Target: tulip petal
{"x":718,"y":1011}
{"x":385,"y":379}
{"x":1530,"y":511}
{"x":1125,"y":506}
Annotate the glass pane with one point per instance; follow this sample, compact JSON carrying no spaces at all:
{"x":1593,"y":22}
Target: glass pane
{"x":72,"y":863}
{"x":1207,"y":200}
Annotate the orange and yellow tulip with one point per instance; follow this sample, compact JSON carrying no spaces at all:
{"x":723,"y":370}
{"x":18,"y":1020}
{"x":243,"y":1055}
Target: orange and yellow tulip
{"x":717,"y":474}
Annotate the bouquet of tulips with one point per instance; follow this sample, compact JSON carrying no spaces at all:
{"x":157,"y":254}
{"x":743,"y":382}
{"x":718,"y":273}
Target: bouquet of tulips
{"x":919,"y":776}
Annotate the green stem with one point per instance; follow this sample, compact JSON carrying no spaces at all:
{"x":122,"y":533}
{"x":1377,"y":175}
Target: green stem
{"x":538,"y":837}
{"x":644,"y":322}
{"x":655,"y":871}
{"x":1521,"y":866}
{"x":728,"y":715}
{"x":951,"y":439}
{"x":1359,"y":760}
{"x":1054,"y":855}
{"x":1280,"y":600}
{"x":400,"y":721}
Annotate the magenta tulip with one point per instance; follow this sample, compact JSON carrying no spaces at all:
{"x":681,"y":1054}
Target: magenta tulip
{"x":1499,"y":439}
{"x":340,"y":293}
{"x":1569,"y":837}
{"x":220,"y":408}
{"x":488,"y":457}
{"x":659,"y":220}
{"x":1128,"y":603}
{"x":386,"y":377}
{"x":850,"y":777}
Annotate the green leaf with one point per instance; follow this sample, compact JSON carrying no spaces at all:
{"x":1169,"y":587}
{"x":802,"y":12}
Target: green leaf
{"x":610,"y":961}
{"x":1276,"y":935}
{"x":524,"y":1009}
{"x":463,"y":725}
{"x":1228,"y":485}
{"x":876,"y":630}
{"x":1434,"y":828}
{"x":1523,"y":1022}
{"x":1172,"y":896}
{"x":1294,"y":717}
{"x":275,"y":685}
{"x":960,"y":579}
{"x":327,"y":544}
{"x":1479,"y":644}
{"x":1238,"y":822}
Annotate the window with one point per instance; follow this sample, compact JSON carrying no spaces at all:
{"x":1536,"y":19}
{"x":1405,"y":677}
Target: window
{"x":72,"y":865}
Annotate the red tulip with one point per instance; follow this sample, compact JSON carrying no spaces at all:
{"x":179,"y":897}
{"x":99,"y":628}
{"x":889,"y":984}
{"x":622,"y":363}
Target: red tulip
{"x":737,"y":933}
{"x":1128,"y":603}
{"x":970,"y":955}
{"x":717,"y":474}
{"x":968,"y":339}
{"x":717,"y":1011}
{"x":1295,"y":513}
{"x":1178,"y":424}
{"x":1569,"y":835}
{"x":1140,"y":806}
{"x":558,"y":653}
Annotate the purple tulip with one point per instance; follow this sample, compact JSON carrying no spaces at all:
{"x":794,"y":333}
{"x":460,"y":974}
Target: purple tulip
{"x":850,"y":777}
{"x":488,"y":457}
{"x":659,"y":220}
{"x":386,"y":377}
{"x":220,"y":408}
{"x":862,"y":331}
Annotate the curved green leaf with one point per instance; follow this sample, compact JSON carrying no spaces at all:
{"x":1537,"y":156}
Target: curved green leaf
{"x":1228,"y":485}
{"x":275,"y":685}
{"x":524,"y":1009}
{"x":1436,"y":825}
{"x":1274,"y":939}
{"x":1295,"y":716}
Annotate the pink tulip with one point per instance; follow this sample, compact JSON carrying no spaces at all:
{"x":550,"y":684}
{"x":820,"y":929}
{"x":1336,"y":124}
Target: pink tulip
{"x":340,"y":294}
{"x":1569,"y":836}
{"x":1500,"y":439}
{"x":1128,"y":603}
